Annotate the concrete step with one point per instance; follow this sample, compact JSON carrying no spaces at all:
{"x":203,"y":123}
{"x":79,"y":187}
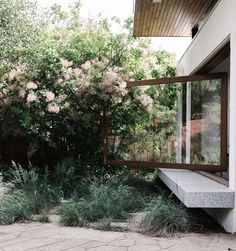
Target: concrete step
{"x":196,"y":190}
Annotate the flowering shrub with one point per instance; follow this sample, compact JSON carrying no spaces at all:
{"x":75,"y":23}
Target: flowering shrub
{"x":51,"y":113}
{"x":54,"y":93}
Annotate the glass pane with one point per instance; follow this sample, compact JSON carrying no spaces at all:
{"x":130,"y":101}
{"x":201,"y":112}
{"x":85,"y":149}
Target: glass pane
{"x":168,"y":123}
{"x":205,"y":122}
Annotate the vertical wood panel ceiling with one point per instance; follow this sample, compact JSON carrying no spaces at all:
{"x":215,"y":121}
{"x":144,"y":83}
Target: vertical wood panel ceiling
{"x":169,"y":18}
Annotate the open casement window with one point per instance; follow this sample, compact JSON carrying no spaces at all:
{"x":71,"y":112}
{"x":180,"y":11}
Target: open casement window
{"x":183,"y":125}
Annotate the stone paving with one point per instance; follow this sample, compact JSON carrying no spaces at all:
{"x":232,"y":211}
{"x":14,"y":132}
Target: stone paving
{"x":52,"y":237}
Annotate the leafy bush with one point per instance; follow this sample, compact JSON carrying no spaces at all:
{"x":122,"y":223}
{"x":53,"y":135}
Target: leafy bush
{"x":54,"y":84}
{"x":103,"y":201}
{"x":165,"y":218}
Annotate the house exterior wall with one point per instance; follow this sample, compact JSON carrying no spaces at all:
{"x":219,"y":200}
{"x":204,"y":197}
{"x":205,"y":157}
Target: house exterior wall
{"x":219,"y":28}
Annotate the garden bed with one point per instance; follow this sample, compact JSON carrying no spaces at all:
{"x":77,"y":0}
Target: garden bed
{"x":121,"y":200}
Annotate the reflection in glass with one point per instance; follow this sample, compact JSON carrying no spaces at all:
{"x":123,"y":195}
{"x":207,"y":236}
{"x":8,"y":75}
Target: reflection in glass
{"x":168,"y":123}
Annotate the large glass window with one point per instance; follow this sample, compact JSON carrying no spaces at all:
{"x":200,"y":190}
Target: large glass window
{"x":179,"y":123}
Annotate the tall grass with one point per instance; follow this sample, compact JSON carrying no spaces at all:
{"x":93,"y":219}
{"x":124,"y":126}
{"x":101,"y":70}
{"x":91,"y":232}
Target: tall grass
{"x":166,"y":218}
{"x":65,"y":176}
{"x":26,"y":193}
{"x":103,"y":201}
{"x":14,"y":207}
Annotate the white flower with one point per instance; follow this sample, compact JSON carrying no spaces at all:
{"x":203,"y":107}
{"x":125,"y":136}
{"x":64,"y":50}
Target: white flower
{"x":62,"y":97}
{"x":6,"y":101}
{"x":69,"y":70}
{"x":31,"y":86}
{"x":100,"y":65}
{"x":67,"y":76}
{"x":86,"y":65}
{"x":146,"y":102}
{"x":31,"y":97}
{"x":66,"y":105}
{"x":22,"y":93}
{"x":110,"y":78}
{"x":123,"y":85}
{"x":50,"y":96}
{"x":77,"y":72}
{"x":65,"y":63}
{"x":53,"y":108}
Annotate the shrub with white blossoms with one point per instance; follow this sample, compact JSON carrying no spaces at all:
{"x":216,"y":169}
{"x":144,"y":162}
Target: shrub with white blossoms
{"x":54,"y":87}
{"x":46,"y":111}
{"x":146,"y":101}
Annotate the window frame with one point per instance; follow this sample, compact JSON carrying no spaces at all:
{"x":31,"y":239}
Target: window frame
{"x":223,"y":76}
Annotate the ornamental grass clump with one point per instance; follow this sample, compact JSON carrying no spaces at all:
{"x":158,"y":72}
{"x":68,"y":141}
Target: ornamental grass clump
{"x":38,"y":192}
{"x":166,"y":218}
{"x":103,"y":201}
{"x":26,"y":193}
{"x":13,"y":208}
{"x":106,"y":225}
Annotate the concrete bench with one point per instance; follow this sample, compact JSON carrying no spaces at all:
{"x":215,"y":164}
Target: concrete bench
{"x":197,"y":191}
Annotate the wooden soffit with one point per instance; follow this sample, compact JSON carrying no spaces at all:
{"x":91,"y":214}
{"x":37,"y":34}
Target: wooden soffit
{"x":168,"y":18}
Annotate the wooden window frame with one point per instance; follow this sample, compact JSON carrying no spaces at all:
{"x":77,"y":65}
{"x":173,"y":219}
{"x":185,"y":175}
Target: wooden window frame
{"x":223,"y":76}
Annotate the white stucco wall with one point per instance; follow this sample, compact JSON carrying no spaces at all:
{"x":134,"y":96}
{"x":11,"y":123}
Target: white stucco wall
{"x":219,"y":28}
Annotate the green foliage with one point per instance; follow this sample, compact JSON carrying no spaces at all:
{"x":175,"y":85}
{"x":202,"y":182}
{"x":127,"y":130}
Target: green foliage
{"x":72,"y":215}
{"x":105,"y":225}
{"x":38,"y":193}
{"x":43,"y":218}
{"x":26,"y":193}
{"x":65,"y":176}
{"x":14,"y":207}
{"x":50,"y":60}
{"x":166,"y":218}
{"x":103,"y":201}
{"x":140,"y":184}
{"x":21,"y":28}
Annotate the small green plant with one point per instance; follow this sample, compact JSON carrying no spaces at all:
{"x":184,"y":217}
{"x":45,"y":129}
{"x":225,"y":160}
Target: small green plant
{"x":72,"y":215}
{"x":166,"y":218}
{"x":103,"y":224}
{"x":43,"y":218}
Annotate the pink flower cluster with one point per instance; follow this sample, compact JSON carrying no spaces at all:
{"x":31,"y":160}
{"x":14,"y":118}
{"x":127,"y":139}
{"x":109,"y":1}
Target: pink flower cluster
{"x":146,"y":101}
{"x":113,"y":86}
{"x":65,"y":63}
{"x":53,"y":108}
{"x":31,"y":86}
{"x":31,"y":97}
{"x":49,"y":96}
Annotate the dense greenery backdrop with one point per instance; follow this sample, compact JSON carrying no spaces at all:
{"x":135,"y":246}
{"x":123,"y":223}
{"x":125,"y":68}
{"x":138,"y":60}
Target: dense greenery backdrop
{"x":57,"y":71}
